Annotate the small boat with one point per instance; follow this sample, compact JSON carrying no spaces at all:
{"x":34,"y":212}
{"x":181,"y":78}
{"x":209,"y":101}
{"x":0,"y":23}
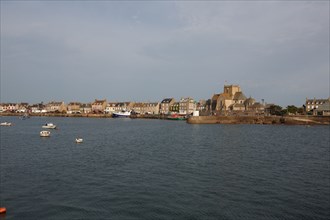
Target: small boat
{"x":79,"y":140}
{"x":49,"y":126}
{"x":5,"y":124}
{"x":176,"y":117}
{"x":44,"y":133}
{"x":121,"y":114}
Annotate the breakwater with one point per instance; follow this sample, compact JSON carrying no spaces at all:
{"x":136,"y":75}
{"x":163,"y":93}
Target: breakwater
{"x":289,"y":120}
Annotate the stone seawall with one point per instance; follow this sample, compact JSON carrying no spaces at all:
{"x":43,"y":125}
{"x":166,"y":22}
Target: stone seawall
{"x":290,"y":120}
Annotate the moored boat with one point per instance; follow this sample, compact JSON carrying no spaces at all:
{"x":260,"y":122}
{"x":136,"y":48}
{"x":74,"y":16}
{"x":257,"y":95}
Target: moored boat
{"x":44,"y":133}
{"x":49,"y":126}
{"x":5,"y":123}
{"x":121,"y":114}
{"x":79,"y":140}
{"x":176,"y":117}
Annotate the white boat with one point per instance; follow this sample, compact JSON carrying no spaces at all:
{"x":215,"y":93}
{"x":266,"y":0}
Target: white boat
{"x":121,"y":114}
{"x":79,"y":140}
{"x":49,"y":125}
{"x":5,"y":124}
{"x":44,"y":133}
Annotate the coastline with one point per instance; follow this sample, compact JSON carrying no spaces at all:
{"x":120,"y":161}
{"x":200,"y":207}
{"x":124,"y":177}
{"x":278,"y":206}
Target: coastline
{"x":266,"y":120}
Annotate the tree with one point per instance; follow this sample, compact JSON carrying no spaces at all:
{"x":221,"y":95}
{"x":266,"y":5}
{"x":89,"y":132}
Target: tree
{"x":275,"y":110}
{"x":292,"y":109}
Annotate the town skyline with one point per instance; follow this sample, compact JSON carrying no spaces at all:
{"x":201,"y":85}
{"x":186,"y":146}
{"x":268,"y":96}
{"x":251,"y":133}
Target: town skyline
{"x":146,"y":51}
{"x":109,"y":100}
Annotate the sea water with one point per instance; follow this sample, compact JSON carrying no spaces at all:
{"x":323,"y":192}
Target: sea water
{"x":158,"y":169}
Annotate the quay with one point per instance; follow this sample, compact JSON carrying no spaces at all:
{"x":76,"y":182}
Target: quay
{"x":214,"y":119}
{"x":275,"y":120}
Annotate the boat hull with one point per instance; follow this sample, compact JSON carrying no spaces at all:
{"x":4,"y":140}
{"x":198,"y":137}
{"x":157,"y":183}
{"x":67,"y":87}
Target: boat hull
{"x":5,"y":124}
{"x":49,"y":127}
{"x":121,"y":115}
{"x":44,"y":134}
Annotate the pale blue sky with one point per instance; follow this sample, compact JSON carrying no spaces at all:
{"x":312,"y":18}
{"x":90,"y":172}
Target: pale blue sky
{"x":147,"y":51}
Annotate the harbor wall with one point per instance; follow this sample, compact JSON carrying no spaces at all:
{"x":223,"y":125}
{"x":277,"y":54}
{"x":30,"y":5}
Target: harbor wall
{"x":289,"y":120}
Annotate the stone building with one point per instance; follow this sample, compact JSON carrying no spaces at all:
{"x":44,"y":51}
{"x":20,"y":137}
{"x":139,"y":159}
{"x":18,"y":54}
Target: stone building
{"x":232,"y":98}
{"x":74,"y":107}
{"x":317,"y":106}
{"x":165,"y":105}
{"x":187,"y":106}
{"x":98,"y":106}
{"x":56,"y":107}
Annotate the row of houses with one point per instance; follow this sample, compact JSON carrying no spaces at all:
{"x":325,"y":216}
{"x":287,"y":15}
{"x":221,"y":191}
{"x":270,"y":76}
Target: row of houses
{"x":167,"y":106}
{"x":232,"y":99}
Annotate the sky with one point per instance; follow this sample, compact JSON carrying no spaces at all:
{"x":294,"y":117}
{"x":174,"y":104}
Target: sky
{"x":143,"y":51}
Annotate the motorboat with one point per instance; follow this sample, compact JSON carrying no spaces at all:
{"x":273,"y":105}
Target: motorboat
{"x":79,"y":140}
{"x":44,"y":133}
{"x":49,"y":126}
{"x":5,"y":124}
{"x":121,"y":114}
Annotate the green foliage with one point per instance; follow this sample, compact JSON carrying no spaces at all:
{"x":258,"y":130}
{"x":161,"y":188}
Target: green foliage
{"x":275,"y":110}
{"x":292,"y":109}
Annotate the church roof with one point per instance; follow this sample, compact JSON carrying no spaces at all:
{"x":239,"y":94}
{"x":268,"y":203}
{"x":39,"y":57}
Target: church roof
{"x":239,"y":96}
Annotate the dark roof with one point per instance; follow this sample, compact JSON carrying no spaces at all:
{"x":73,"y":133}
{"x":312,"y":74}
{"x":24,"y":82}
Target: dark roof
{"x":167,"y":100}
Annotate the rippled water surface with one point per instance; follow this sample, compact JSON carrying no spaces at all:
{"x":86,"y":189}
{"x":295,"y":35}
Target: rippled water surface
{"x":155,"y":169}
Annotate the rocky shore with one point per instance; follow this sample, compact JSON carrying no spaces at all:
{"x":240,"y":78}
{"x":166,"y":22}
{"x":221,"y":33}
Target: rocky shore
{"x":288,"y":120}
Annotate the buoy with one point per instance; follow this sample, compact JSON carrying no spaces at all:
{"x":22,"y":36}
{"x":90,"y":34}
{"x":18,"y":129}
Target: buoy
{"x":3,"y":210}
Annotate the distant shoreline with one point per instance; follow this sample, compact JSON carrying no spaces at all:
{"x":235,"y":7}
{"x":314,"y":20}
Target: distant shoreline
{"x":268,"y":120}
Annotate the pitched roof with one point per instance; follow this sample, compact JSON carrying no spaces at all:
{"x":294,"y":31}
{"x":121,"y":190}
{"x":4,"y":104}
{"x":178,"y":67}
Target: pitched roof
{"x":215,"y":96}
{"x":239,"y":105}
{"x":324,"y":107}
{"x":239,"y":96}
{"x":167,"y":100}
{"x":225,"y":96}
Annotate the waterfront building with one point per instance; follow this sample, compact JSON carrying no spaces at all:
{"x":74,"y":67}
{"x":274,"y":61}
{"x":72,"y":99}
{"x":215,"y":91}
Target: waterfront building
{"x":317,"y":106}
{"x":10,"y":107}
{"x":86,"y":108}
{"x":232,"y":98}
{"x":111,"y":108}
{"x":38,"y":108}
{"x":314,"y":103}
{"x":165,"y":105}
{"x":74,"y":107}
{"x":22,"y":107}
{"x":146,"y":107}
{"x":201,"y":105}
{"x":175,"y":108}
{"x":151,"y":108}
{"x":56,"y":107}
{"x":324,"y":109}
{"x":138,"y":107}
{"x":187,"y":106}
{"x":98,"y":106}
{"x":123,"y":106}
